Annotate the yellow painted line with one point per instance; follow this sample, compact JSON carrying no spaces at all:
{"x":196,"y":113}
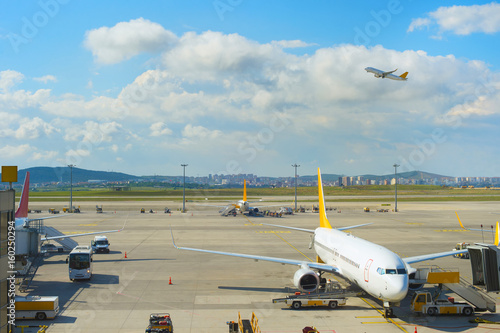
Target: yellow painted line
{"x":293,"y":247}
{"x":388,"y":319}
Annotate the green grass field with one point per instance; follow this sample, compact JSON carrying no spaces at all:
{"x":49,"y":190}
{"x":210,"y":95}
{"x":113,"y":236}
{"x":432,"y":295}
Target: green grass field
{"x":422,"y":193}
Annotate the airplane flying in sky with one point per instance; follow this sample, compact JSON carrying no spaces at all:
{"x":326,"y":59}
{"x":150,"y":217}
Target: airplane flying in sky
{"x":374,"y":268}
{"x":389,"y":75}
{"x":22,"y":220}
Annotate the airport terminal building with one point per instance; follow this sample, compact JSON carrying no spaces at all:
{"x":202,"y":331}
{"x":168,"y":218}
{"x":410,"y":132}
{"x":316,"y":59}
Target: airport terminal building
{"x":7,"y":205}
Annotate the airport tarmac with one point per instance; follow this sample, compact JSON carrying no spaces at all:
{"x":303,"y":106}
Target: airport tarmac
{"x":209,"y":290}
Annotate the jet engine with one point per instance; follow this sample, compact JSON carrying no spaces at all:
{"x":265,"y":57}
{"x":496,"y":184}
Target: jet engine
{"x":306,"y":280}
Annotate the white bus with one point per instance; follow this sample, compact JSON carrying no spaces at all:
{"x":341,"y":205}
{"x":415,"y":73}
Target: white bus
{"x":80,"y":263}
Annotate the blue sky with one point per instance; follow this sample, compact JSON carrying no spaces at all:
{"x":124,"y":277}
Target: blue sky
{"x":238,"y":86}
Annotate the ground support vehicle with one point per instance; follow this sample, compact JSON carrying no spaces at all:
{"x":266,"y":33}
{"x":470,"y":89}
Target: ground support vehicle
{"x":37,"y":307}
{"x":244,"y":325}
{"x":98,"y":209}
{"x":461,"y":246}
{"x":423,"y":302}
{"x":160,"y":323}
{"x":49,"y":247}
{"x":331,"y":299}
{"x":100,"y":244}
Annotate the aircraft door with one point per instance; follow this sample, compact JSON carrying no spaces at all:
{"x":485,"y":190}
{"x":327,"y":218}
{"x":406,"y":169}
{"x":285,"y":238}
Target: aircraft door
{"x":367,"y":269}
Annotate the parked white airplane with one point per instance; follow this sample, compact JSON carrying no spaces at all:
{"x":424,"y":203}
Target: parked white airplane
{"x":242,"y":205}
{"x":389,"y":75}
{"x":377,"y":270}
{"x":22,"y":220}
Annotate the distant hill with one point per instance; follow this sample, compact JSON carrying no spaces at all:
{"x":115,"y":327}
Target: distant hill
{"x":62,"y":174}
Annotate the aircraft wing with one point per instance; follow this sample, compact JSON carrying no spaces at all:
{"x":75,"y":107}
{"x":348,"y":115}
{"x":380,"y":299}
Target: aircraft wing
{"x":312,"y":231}
{"x":461,"y":225}
{"x":84,"y":234}
{"x":47,"y":217}
{"x":390,"y":72}
{"x":313,"y":265}
{"x":411,"y":260}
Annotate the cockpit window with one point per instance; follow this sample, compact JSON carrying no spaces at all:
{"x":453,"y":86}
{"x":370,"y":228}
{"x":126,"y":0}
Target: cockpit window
{"x":390,"y":271}
{"x":401,"y":271}
{"x":381,"y":271}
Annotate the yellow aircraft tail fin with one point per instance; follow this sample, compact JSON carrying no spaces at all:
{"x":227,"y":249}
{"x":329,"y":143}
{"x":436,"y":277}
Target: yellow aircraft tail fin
{"x":404,"y":75}
{"x":244,"y":190}
{"x":496,"y":235}
{"x":323,"y":219}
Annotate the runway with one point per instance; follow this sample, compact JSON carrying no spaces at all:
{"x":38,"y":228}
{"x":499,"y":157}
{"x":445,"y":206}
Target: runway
{"x":209,"y":290}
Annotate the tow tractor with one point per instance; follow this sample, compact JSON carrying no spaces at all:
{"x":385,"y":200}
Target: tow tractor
{"x":461,"y":246}
{"x":423,"y":302}
{"x":160,"y":323}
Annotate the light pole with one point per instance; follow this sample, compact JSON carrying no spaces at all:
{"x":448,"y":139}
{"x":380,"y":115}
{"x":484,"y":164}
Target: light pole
{"x":396,"y":190}
{"x":184,"y":187}
{"x":295,"y":166}
{"x":71,"y":187}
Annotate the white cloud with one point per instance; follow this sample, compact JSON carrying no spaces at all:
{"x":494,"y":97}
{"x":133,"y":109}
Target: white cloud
{"x":290,"y":43}
{"x":127,"y":39}
{"x":462,"y":20}
{"x":418,"y":24}
{"x":13,"y":152}
{"x":77,"y":153}
{"x":257,"y":101}
{"x":199,"y":132}
{"x":44,"y":155}
{"x":92,"y":132}
{"x":9,"y":78}
{"x":30,"y":129}
{"x":159,"y":129}
{"x":45,"y":78}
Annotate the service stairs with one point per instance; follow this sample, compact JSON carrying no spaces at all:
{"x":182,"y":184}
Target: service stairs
{"x":472,"y":294}
{"x":30,"y":274}
{"x":227,"y":210}
{"x":67,"y":243}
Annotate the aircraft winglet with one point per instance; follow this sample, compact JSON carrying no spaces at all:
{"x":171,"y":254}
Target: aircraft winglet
{"x":323,"y":219}
{"x":460,"y":221}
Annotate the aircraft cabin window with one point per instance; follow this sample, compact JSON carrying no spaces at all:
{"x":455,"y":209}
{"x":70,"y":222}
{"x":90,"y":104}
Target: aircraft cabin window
{"x":390,"y":271}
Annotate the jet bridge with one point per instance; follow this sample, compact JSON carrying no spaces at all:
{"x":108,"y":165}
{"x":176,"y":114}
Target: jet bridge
{"x":485,"y":264}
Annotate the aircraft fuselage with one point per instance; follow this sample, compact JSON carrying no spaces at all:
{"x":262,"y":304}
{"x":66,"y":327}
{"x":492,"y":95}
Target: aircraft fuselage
{"x":375,"y":269}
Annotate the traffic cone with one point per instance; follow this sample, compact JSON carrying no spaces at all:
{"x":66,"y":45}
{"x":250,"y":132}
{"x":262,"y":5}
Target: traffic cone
{"x":170,"y":280}
{"x":125,"y":254}
{"x":415,"y":329}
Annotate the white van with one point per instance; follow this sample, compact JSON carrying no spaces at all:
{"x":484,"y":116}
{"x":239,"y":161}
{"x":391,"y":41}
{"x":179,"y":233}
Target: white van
{"x":100,"y":244}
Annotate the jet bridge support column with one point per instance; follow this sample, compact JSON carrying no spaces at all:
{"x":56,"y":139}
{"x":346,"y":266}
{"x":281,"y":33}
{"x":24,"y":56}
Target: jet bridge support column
{"x":485,"y":265}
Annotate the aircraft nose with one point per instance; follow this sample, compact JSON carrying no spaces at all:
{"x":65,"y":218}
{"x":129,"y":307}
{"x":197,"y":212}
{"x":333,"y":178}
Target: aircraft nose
{"x":397,"y":287}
